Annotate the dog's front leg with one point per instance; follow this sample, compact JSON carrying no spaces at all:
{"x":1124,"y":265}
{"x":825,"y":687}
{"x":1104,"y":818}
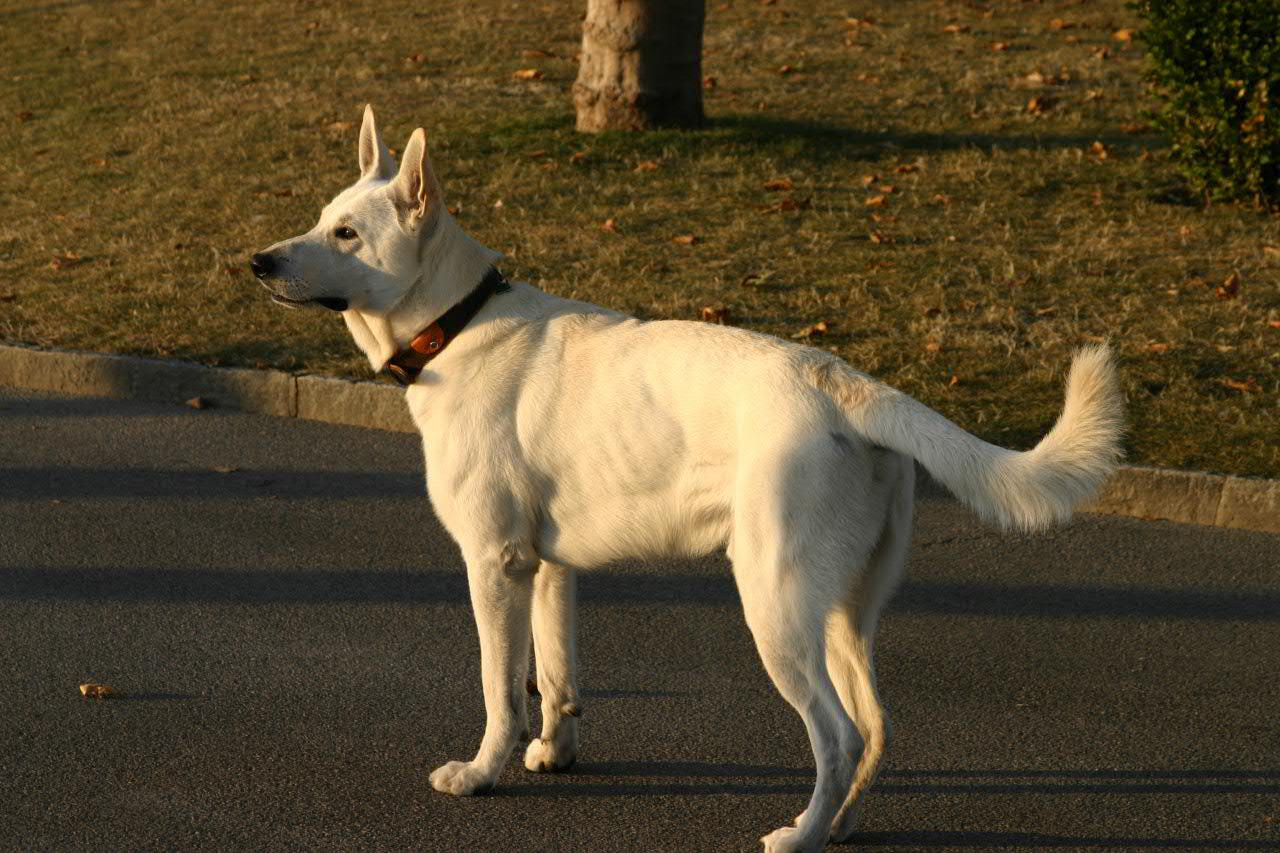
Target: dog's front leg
{"x":501,"y":582}
{"x":555,"y":605}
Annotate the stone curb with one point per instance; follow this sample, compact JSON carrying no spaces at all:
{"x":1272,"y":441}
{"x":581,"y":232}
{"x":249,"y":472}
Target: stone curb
{"x":1190,"y":497}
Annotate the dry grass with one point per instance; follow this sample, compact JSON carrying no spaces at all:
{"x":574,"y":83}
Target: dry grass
{"x":151,"y":147}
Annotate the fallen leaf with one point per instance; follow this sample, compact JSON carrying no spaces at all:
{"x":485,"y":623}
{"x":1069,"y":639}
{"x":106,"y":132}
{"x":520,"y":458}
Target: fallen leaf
{"x":647,"y":166}
{"x":787,"y":69}
{"x":224,"y":469}
{"x":932,"y":311}
{"x":1059,"y":24}
{"x":24,"y":115}
{"x":1271,"y":250}
{"x":1041,"y":104}
{"x":528,"y":74}
{"x":715,"y":315}
{"x":535,"y":155}
{"x":906,"y":168}
{"x":1156,"y":348}
{"x":932,"y":346}
{"x":709,"y":82}
{"x":1099,"y":150}
{"x":1035,"y":78}
{"x":1123,"y":35}
{"x":415,"y":58}
{"x":1097,"y":198}
{"x":198,"y":403}
{"x":888,"y":189}
{"x":1000,"y":46}
{"x":453,"y":209}
{"x":880,"y":237}
{"x":340,"y":125}
{"x":685,"y":239}
{"x":66,"y":261}
{"x":942,"y":198}
{"x":1046,"y":312}
{"x":954,"y":381}
{"x":863,"y":77}
{"x":1275,"y":324}
{"x":956,"y":29}
{"x":1248,"y":386}
{"x":610,"y":225}
{"x":538,"y":53}
{"x":93,"y":690}
{"x":1230,"y":287}
{"x":868,"y":180}
{"x":578,"y":157}
{"x":876,"y":201}
{"x":1101,"y":52}
{"x":778,"y":184}
{"x":1134,"y":127}
{"x":1094,"y":95}
{"x":817,"y":330}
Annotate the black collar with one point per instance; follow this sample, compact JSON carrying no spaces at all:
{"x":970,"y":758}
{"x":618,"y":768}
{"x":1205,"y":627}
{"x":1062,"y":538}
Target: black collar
{"x":406,"y":364}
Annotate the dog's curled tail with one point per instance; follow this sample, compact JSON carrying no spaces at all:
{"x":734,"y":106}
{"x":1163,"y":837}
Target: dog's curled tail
{"x":1029,"y":490}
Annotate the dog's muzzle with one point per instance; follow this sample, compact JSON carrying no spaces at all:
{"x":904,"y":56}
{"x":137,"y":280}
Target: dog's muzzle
{"x":264,"y":267}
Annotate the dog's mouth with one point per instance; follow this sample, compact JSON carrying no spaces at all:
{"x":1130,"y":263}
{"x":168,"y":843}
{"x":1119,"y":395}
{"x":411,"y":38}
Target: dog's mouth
{"x":333,"y":303}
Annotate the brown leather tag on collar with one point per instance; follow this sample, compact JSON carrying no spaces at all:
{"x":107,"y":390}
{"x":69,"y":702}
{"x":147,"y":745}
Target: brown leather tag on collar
{"x":429,"y":341}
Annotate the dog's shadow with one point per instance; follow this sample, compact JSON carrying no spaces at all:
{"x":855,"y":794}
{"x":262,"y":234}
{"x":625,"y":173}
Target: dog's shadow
{"x":685,"y":778}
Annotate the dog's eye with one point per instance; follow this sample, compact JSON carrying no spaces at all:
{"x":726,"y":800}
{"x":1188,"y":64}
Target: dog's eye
{"x":344,"y":233}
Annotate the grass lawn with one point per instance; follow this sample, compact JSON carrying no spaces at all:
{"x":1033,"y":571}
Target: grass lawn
{"x":962,"y":192}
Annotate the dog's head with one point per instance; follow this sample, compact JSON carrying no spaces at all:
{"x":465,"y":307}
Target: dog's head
{"x":364,"y":253}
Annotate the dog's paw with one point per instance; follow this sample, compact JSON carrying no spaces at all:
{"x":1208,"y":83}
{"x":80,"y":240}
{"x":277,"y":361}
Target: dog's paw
{"x":460,"y":778}
{"x":548,"y":756}
{"x":786,"y":840}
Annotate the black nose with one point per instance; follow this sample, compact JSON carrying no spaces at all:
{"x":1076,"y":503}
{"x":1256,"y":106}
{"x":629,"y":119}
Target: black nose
{"x":262,"y":264}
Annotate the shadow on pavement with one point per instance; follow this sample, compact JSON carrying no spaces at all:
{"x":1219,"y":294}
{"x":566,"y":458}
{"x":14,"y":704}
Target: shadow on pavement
{"x":942,"y":838}
{"x":626,"y":587}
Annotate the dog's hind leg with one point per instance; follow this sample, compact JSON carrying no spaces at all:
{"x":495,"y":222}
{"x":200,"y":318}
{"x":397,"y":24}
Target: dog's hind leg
{"x":555,"y":604}
{"x":851,"y":631}
{"x":501,"y":585}
{"x":786,"y":620}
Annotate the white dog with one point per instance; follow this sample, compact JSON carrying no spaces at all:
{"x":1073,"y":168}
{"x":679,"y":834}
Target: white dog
{"x":562,"y":436}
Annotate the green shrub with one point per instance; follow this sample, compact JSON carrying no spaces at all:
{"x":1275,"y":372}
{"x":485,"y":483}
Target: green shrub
{"x":1215,"y":66}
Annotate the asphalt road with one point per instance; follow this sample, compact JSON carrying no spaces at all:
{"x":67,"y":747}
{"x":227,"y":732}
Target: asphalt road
{"x":290,"y":630}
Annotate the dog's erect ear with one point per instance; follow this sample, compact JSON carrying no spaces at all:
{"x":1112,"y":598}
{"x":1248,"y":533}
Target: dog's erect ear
{"x":415,"y":188}
{"x":375,"y":159}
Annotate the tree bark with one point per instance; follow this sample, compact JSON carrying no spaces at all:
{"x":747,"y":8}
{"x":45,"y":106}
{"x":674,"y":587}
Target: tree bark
{"x":641,"y":65}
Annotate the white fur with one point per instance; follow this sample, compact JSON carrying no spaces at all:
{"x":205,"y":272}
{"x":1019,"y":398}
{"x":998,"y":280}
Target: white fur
{"x":560,"y":436}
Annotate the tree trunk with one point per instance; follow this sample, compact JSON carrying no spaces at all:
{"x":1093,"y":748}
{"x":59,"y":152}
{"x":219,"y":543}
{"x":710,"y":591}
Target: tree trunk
{"x":641,"y":65}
